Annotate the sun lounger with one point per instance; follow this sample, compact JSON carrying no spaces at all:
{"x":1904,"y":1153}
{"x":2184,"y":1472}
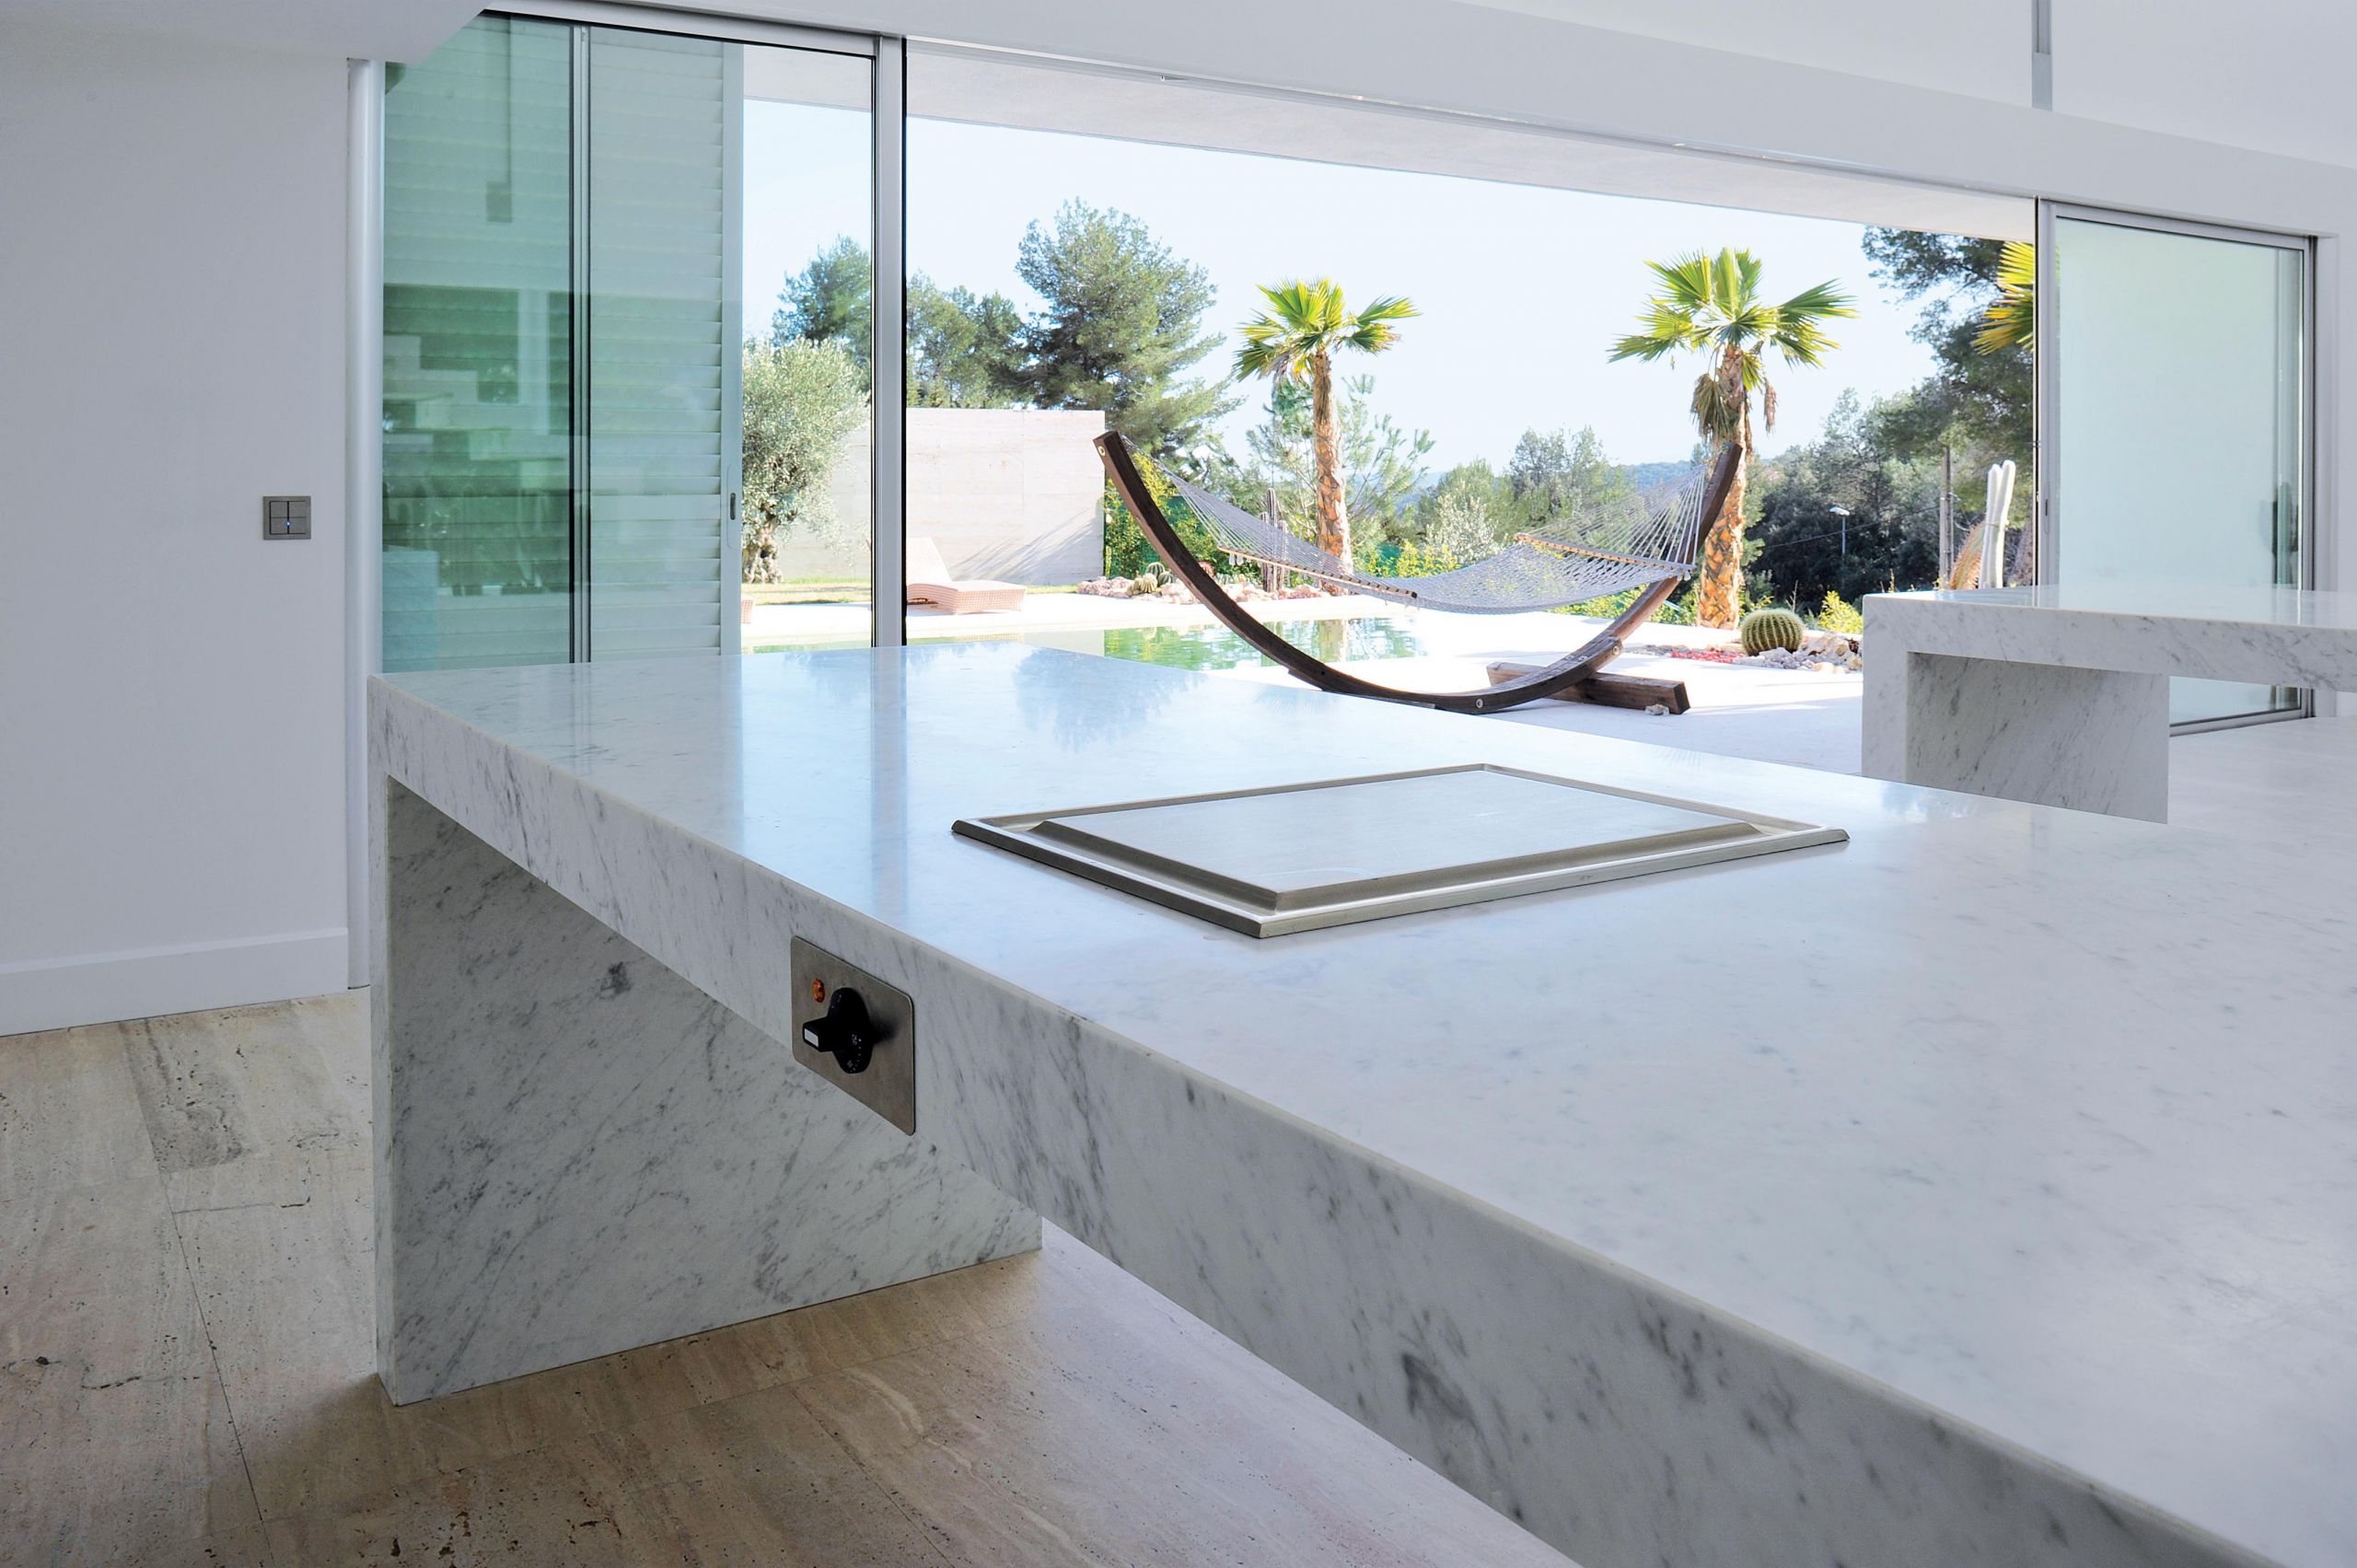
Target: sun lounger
{"x":930,"y":583}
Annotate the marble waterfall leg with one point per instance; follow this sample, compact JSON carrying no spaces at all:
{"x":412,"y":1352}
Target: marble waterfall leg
{"x":578,"y":1153}
{"x":2088,"y":740}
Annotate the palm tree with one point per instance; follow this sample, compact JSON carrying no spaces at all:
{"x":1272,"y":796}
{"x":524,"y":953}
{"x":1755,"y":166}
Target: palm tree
{"x":1295,"y":339}
{"x":2011,"y":321}
{"x":1711,"y":306}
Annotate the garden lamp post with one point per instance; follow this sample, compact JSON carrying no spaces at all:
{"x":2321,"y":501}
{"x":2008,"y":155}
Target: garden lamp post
{"x":1844,"y":513}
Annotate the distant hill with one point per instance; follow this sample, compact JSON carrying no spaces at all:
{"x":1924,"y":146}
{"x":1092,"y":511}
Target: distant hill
{"x":1645,"y":476}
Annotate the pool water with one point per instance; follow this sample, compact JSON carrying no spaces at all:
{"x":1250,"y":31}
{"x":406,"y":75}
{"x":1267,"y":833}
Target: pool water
{"x":1216,"y":647}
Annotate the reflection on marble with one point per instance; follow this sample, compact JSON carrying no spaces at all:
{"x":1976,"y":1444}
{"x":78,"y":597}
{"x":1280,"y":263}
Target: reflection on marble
{"x":1953,"y":1196}
{"x":578,"y":1153}
{"x":2228,"y":603}
{"x":2058,"y":694}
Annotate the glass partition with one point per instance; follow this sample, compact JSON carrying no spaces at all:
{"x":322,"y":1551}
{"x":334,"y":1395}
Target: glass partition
{"x":595,"y":433}
{"x":2179,"y":452}
{"x":479,"y":351}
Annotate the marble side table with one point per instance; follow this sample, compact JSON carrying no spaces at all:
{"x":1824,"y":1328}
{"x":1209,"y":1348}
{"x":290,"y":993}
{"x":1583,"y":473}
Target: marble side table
{"x":2059,"y":695}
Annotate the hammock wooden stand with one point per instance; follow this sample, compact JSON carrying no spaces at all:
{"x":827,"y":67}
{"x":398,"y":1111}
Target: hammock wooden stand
{"x":1578,"y":676}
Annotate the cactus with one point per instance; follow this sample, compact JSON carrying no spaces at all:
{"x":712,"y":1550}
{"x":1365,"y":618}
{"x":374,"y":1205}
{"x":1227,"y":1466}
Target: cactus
{"x":1765,"y":629}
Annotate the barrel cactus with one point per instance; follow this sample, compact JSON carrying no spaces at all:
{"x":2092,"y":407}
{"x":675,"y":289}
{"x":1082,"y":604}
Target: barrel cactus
{"x":1765,"y":629}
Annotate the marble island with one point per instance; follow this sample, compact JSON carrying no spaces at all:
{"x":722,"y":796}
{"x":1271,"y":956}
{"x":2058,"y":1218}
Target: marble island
{"x":1980,"y":1191}
{"x":2059,"y":694}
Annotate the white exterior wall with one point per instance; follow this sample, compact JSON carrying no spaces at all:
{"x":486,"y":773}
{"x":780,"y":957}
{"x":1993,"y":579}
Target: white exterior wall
{"x":1011,"y":493}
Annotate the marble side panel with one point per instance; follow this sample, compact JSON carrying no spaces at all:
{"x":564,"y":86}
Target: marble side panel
{"x":1618,"y":1418}
{"x":2086,"y":739}
{"x":577,"y":1152}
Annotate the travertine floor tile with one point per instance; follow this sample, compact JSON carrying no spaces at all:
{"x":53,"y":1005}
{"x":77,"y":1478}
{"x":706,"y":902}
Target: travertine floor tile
{"x":282,"y":1252}
{"x":1045,"y":1409}
{"x":715,"y":1484}
{"x":68,"y":1115}
{"x":1105,"y":1426}
{"x":117,"y":1439}
{"x":247,"y":1081}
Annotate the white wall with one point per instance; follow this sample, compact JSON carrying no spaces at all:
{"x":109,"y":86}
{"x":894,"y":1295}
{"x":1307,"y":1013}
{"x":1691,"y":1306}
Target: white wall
{"x":2266,"y":74}
{"x":171,"y":350}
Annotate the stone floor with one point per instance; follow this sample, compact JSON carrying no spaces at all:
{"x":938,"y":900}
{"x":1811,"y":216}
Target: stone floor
{"x":186,"y":1354}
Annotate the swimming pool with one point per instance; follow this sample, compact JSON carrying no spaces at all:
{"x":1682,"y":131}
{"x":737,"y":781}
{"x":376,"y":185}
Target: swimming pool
{"x":1334,"y":640}
{"x":1217,"y":648}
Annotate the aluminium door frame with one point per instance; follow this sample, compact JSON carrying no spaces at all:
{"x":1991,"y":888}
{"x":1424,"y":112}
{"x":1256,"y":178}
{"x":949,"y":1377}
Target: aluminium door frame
{"x":731,"y":388}
{"x":689,"y":21}
{"x":2046,"y":423}
{"x":888,"y":251}
{"x":364,"y":487}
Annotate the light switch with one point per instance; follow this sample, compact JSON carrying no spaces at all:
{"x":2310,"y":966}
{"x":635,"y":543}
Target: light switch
{"x":286,"y":517}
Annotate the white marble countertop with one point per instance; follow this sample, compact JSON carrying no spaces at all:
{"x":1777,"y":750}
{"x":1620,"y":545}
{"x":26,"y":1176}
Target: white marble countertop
{"x":2325,"y":608}
{"x":2277,"y":635}
{"x":2039,"y":1123}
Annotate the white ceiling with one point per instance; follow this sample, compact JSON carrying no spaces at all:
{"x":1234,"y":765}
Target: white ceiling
{"x":356,"y":29}
{"x":2263,"y":74}
{"x":2270,"y":75}
{"x":1980,"y":47}
{"x":998,"y":90}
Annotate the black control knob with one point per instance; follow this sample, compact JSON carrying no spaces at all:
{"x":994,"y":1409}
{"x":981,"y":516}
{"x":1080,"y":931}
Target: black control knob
{"x":845,"y":1033}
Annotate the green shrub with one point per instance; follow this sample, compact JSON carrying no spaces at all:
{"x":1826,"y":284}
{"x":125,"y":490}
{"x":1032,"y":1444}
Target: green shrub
{"x":1774,"y":628}
{"x":1128,"y":554}
{"x":1837,"y":614}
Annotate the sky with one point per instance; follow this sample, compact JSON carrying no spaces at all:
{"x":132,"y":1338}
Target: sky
{"x":1522,"y":289}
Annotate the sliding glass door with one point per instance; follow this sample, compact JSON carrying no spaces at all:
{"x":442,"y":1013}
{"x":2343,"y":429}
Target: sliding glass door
{"x":479,"y":351}
{"x":583,"y":348}
{"x":2176,"y":368}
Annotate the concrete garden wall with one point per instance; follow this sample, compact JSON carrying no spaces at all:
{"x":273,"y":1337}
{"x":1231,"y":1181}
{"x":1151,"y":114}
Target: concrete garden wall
{"x":1011,"y":493}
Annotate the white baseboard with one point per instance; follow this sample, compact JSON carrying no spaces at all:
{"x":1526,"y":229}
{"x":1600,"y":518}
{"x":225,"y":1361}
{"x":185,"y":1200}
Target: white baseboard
{"x":98,"y":988}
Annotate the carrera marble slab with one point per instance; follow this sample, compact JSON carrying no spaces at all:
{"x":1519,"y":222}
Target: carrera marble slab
{"x":2059,"y":694}
{"x":581,"y":1153}
{"x":1977,"y":1192}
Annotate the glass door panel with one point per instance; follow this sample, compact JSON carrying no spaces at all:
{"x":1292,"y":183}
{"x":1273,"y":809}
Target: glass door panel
{"x":478,"y":351}
{"x":2179,"y":437}
{"x":573,"y":369}
{"x":661,"y":277}
{"x":808,"y":350}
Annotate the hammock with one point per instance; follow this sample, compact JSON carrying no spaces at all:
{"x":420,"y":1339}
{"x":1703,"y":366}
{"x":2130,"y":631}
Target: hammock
{"x":1606,"y":551}
{"x":1648,"y":543}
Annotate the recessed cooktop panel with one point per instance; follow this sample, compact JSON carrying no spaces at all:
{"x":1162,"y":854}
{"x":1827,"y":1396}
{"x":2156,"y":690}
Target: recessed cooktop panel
{"x":1299,"y":857}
